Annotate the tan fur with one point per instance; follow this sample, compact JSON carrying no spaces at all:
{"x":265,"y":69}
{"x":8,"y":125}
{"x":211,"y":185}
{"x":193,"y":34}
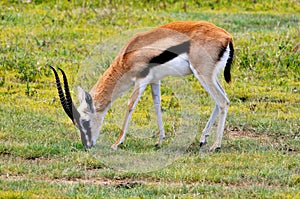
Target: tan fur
{"x":206,"y":39}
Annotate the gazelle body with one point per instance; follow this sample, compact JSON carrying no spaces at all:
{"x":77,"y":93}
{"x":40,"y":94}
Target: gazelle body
{"x":175,"y":49}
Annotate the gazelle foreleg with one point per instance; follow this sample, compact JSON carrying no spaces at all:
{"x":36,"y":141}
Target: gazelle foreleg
{"x":155,"y":87}
{"x":139,"y":88}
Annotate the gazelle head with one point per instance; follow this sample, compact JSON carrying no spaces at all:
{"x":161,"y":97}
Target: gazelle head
{"x":84,"y":117}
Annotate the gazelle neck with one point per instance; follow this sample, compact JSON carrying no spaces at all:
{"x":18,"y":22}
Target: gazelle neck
{"x":111,"y":85}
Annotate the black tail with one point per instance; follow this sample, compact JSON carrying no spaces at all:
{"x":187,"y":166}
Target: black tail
{"x":227,"y":74}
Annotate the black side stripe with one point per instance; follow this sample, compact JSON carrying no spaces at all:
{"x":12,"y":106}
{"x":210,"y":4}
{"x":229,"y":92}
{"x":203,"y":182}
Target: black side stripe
{"x":166,"y":55}
{"x":170,"y":53}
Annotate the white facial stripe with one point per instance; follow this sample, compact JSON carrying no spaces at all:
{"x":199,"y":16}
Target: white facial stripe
{"x":85,"y":131}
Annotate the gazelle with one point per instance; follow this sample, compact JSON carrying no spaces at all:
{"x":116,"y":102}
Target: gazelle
{"x":175,"y":49}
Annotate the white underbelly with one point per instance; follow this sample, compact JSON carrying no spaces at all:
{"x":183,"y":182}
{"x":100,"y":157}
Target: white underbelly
{"x":177,"y":67}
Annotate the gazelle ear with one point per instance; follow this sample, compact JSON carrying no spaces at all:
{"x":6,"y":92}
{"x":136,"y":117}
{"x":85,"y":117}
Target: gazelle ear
{"x":85,"y":98}
{"x":81,"y":94}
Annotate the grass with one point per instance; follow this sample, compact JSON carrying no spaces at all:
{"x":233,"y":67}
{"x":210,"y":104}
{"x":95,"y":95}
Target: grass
{"x":40,"y":150}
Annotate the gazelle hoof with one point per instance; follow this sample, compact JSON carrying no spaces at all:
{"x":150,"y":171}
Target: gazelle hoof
{"x":202,"y":144}
{"x":160,"y":141}
{"x":215,"y":149}
{"x":157,"y":145}
{"x":114,"y":147}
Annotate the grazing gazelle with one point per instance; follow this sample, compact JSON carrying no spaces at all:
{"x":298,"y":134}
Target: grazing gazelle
{"x":175,"y":49}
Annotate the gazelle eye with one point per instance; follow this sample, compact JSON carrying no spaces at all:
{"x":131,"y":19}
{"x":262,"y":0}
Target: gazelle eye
{"x":86,"y":124}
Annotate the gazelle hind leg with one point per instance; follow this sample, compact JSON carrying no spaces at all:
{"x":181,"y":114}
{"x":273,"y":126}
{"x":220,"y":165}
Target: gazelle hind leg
{"x":206,"y":130}
{"x":223,"y":102}
{"x":155,"y":87}
{"x":212,"y":118}
{"x":135,"y":96}
{"x":212,"y":86}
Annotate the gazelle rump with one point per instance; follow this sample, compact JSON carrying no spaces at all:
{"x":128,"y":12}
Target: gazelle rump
{"x":175,"y":49}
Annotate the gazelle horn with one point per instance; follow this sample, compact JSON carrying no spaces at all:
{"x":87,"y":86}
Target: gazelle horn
{"x":65,"y":98}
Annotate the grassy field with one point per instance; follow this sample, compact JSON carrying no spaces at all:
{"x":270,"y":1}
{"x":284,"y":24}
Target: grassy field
{"x":41,"y":154}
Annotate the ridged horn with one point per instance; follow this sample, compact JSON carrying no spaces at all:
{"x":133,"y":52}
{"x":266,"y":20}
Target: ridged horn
{"x":67,"y":91}
{"x":66,"y":101}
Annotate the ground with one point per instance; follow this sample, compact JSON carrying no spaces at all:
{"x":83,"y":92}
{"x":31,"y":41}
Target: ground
{"x":41,"y":153}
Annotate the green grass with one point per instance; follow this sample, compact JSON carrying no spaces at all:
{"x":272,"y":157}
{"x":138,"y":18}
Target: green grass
{"x":41,"y":153}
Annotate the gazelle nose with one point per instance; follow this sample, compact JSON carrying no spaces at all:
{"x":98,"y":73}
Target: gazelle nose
{"x":93,"y":143}
{"x":89,"y":144}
